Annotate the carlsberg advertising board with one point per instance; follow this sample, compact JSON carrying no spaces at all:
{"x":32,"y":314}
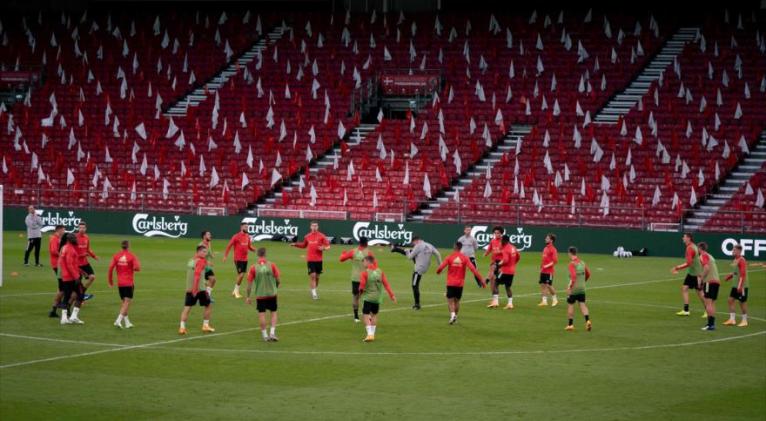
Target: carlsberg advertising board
{"x":525,"y":238}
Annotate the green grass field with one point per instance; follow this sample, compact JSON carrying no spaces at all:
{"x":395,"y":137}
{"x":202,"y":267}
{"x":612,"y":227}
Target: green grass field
{"x":640,"y":361}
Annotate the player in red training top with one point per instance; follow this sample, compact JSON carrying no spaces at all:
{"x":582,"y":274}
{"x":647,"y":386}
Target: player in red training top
{"x":54,"y":246}
{"x":510,"y":257}
{"x":126,"y":263}
{"x":315,"y":243}
{"x":739,"y":290}
{"x":70,"y":274}
{"x":495,"y":250}
{"x":196,"y":291}
{"x":547,"y":269}
{"x":457,"y":263}
{"x":84,"y":251}
{"x":242,"y":244}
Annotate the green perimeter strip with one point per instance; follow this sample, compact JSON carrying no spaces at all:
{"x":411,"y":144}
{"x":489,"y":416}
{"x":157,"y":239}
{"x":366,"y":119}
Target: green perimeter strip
{"x":531,"y":238}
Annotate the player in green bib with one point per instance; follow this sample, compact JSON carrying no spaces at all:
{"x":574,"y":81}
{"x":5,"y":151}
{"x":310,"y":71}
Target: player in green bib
{"x":207,"y":241}
{"x":358,"y":266}
{"x":711,"y":282}
{"x":578,"y":275}
{"x":371,"y":284}
{"x":264,"y":275}
{"x":739,"y":291}
{"x":693,"y":278}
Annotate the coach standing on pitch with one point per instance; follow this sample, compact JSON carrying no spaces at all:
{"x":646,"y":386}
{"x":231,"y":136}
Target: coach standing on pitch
{"x":34,"y":225}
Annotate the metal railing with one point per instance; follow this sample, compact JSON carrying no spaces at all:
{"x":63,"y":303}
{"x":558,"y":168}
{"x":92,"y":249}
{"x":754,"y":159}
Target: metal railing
{"x":647,"y":218}
{"x":95,"y":199}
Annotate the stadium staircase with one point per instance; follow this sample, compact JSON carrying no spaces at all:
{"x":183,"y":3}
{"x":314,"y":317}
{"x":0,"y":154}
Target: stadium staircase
{"x":621,"y":103}
{"x":216,"y":82}
{"x":730,"y":186}
{"x":508,"y":145}
{"x":358,"y":135}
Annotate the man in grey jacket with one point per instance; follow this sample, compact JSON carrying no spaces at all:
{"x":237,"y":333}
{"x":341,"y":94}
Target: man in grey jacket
{"x":420,"y":254}
{"x":469,"y":247}
{"x":34,"y":224}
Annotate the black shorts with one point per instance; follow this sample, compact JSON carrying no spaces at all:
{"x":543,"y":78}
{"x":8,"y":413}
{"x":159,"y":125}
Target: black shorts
{"x":69,"y":288}
{"x":370,"y":308}
{"x":209,"y":273}
{"x":354,"y":287}
{"x":88,"y":269}
{"x":267,"y":303}
{"x":576,"y":298}
{"x":241,"y":266}
{"x":711,"y":290}
{"x":314,"y":267}
{"x":126,"y":292}
{"x":505,"y":279}
{"x":742,"y":298}
{"x":202,"y":298}
{"x":496,"y":270}
{"x":691,"y":282}
{"x":546,"y":278}
{"x":454,"y":292}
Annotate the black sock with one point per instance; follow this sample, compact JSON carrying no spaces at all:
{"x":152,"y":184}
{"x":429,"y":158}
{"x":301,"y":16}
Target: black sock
{"x":710,"y":320}
{"x":53,"y":309}
{"x":686,"y":307}
{"x":416,"y":294}
{"x":571,"y":322}
{"x":356,"y":312}
{"x":587,"y":317}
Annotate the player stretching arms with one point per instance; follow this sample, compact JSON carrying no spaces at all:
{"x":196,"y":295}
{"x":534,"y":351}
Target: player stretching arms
{"x":265,"y":275}
{"x":358,"y":266}
{"x":83,"y":244}
{"x":457,"y":262}
{"x":693,"y":273}
{"x":54,"y":246}
{"x":495,"y":249}
{"x":547,"y":269}
{"x":710,"y":284}
{"x":510,"y":257}
{"x":195,"y":269}
{"x":315,"y":243}
{"x":126,"y":263}
{"x":207,"y":242}
{"x":470,"y":245}
{"x":70,"y":272}
{"x":371,"y":284}
{"x":738,"y":291}
{"x":241,"y":244}
{"x":578,"y":275}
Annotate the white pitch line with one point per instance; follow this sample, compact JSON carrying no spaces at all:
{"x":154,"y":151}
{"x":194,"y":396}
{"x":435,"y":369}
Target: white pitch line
{"x":234,"y":332}
{"x":467,"y":353}
{"x":68,"y":341}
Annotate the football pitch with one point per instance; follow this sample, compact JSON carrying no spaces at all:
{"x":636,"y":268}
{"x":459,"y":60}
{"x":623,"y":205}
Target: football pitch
{"x":641,"y":361}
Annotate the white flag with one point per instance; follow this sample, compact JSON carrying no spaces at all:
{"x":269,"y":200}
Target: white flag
{"x":657,"y":195}
{"x":406,"y":180}
{"x":341,"y":130}
{"x":249,"y":160}
{"x":759,"y":199}
{"x":141,"y":130}
{"x":245,"y":181}
{"x":413,"y":150}
{"x":693,"y":198}
{"x":214,"y":179}
{"x":69,"y":177}
{"x":427,"y":186}
{"x":487,"y":190}
{"x":172,"y":128}
{"x":313,"y":196}
{"x":275,"y":176}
